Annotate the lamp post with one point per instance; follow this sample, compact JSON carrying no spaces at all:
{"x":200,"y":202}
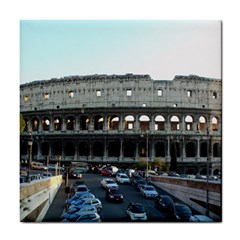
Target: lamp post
{"x":142,"y":135}
{"x":30,"y":143}
{"x":208,"y":159}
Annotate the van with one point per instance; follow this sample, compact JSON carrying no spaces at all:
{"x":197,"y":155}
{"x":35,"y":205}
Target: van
{"x":38,"y":166}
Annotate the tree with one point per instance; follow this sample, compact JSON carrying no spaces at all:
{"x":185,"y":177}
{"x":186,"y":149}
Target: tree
{"x":22,"y":123}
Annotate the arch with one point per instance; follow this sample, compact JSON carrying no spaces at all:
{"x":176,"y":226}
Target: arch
{"x":144,"y":122}
{"x":160,"y":149}
{"x":23,"y":148}
{"x":190,"y":149}
{"x":69,"y":149}
{"x":35,"y":149}
{"x":202,"y":123}
{"x":46,"y":124}
{"x":45,"y":148}
{"x":175,"y":123}
{"x":159,"y":123}
{"x":98,"y":122}
{"x":35,"y":124}
{"x":70,"y":123}
{"x":214,"y":122}
{"x":84,"y":149}
{"x":26,"y":125}
{"x":142,"y":148}
{"x":84,"y":122}
{"x":216,"y":150}
{"x":129,"y":122}
{"x":113,"y":122}
{"x":203,"y":149}
{"x":129,"y":149}
{"x":57,"y":148}
{"x":191,"y":171}
{"x":57,"y":123}
{"x":175,"y":153}
{"x":98,"y":149}
{"x":114,"y":149}
{"x":189,"y":123}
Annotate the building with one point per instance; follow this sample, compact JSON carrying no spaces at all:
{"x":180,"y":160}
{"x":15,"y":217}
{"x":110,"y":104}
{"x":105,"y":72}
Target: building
{"x":121,"y":119}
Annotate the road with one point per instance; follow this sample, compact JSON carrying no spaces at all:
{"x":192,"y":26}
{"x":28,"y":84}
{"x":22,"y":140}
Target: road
{"x":116,"y":212}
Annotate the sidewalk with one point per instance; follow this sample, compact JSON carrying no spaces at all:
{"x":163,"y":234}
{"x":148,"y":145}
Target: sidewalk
{"x":56,"y":209}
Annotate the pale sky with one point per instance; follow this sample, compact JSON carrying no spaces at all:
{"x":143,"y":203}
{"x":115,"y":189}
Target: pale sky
{"x":162,"y":49}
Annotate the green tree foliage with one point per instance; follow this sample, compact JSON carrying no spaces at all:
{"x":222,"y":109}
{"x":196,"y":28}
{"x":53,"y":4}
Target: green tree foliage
{"x":22,"y":123}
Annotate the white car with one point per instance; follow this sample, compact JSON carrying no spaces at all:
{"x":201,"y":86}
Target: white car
{"x":82,"y":189}
{"x":149,"y":191}
{"x":84,"y":216}
{"x":136,"y":211}
{"x":109,"y":183}
{"x":122,"y":178}
{"x":88,"y":201}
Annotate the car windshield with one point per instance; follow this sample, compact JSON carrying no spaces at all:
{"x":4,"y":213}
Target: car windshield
{"x":150,"y":188}
{"x":123,"y":177}
{"x":81,"y":189}
{"x":183,"y":209}
{"x":138,"y":209}
{"x":110,"y":182}
{"x":72,"y":210}
{"x":114,"y":192}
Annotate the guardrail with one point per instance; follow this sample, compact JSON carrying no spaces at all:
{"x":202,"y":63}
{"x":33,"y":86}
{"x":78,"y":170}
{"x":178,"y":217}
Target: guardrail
{"x":198,"y":194}
{"x":36,"y":197}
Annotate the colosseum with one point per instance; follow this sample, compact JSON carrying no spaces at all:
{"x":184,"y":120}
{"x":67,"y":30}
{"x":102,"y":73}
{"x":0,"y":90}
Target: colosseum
{"x":123,"y":119}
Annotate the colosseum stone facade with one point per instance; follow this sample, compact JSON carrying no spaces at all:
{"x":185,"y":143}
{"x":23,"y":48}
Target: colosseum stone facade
{"x":122,"y":119}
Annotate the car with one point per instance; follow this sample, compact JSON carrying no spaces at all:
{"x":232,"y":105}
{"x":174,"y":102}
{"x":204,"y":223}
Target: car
{"x":114,"y":195}
{"x":73,"y":214}
{"x":109,"y":183}
{"x":183,"y":212}
{"x":105,"y":172}
{"x":136,"y":212}
{"x":46,"y":175}
{"x":200,"y":218}
{"x":76,"y":184}
{"x":149,"y":191}
{"x":78,"y":197}
{"x":89,"y":217}
{"x":140,"y":183}
{"x":74,"y":175}
{"x":165,"y":203}
{"x":122,"y":178}
{"x":135,"y":178}
{"x":53,"y":167}
{"x":23,"y":170}
{"x":82,"y":189}
{"x":38,"y":166}
{"x":88,"y":201}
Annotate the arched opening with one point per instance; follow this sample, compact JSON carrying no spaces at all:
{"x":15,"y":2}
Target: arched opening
{"x":175,"y":153}
{"x":159,"y":123}
{"x":142,"y":147}
{"x":98,"y":149}
{"x":113,"y":122}
{"x":57,"y":124}
{"x":190,"y":149}
{"x":35,"y":149}
{"x":23,"y":148}
{"x":57,"y":148}
{"x":98,"y":122}
{"x":83,"y":149}
{"x":160,"y":149}
{"x":69,"y":149}
{"x":46,"y":124}
{"x":188,"y":123}
{"x":191,"y":171}
{"x":84,"y":122}
{"x":129,"y":122}
{"x":45,"y":149}
{"x":129,"y":149}
{"x":70,"y":123}
{"x":216,"y":150}
{"x":214,"y":124}
{"x":144,"y":122}
{"x":203,"y":149}
{"x":202,"y":123}
{"x":114,"y":149}
{"x":35,"y":124}
{"x":175,"y":123}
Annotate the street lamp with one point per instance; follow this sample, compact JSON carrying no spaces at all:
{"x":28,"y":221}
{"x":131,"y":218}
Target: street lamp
{"x":30,"y":143}
{"x":142,"y":135}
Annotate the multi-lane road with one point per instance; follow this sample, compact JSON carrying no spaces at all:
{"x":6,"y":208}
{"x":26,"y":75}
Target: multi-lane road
{"x":116,"y":212}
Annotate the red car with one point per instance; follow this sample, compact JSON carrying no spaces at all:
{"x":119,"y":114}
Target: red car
{"x":105,"y":172}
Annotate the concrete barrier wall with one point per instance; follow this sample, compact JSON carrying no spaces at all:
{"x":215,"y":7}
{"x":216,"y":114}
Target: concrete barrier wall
{"x":194,"y":193}
{"x":36,"y":197}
